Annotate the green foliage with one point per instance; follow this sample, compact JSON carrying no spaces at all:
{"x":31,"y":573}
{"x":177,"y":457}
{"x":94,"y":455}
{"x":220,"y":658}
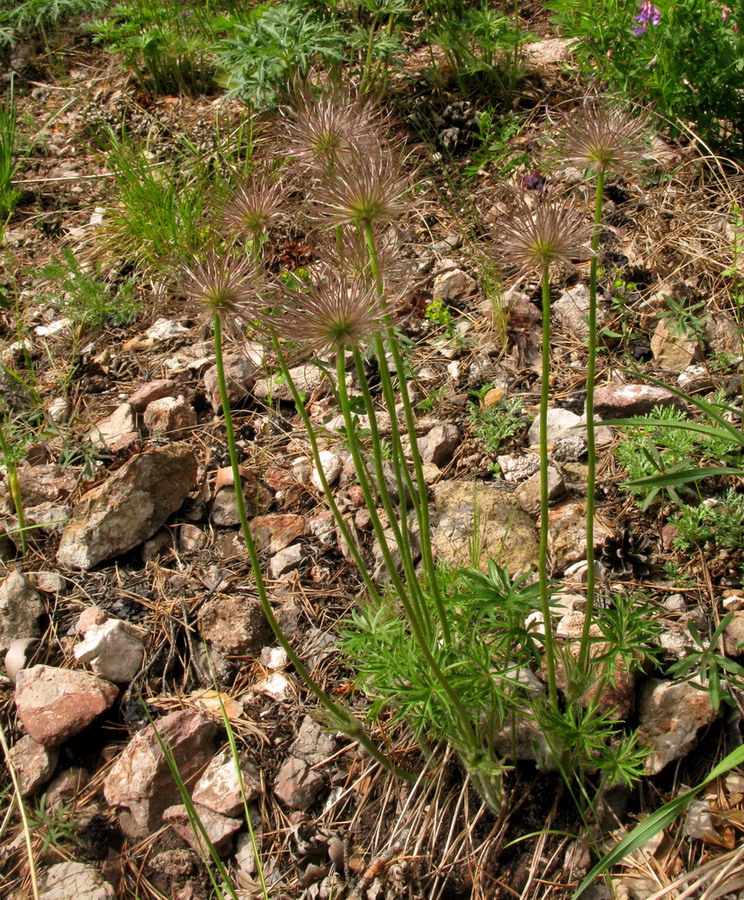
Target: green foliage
{"x":21,"y":17}
{"x":490,"y":643}
{"x":719,"y":521}
{"x":159,"y":218}
{"x":374,"y":38}
{"x":623,"y":317}
{"x":707,"y":668}
{"x":52,"y":826}
{"x":689,"y":67}
{"x":166,"y":46}
{"x":280,"y":42}
{"x":8,"y":163}
{"x":87,"y":299}
{"x":495,"y":425}
{"x":480,"y":46}
{"x":687,"y":319}
{"x":662,"y":449}
{"x":493,"y":151}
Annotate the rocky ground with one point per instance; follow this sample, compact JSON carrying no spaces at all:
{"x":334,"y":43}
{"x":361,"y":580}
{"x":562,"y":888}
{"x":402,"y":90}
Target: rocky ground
{"x":136,"y":581}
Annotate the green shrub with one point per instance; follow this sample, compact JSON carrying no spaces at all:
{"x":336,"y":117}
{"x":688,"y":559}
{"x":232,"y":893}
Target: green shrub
{"x":689,"y":66}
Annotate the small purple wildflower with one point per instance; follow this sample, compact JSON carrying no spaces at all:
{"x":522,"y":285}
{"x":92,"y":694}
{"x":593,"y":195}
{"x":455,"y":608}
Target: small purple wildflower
{"x":533,"y":182}
{"x":725,"y":10}
{"x":647,"y":12}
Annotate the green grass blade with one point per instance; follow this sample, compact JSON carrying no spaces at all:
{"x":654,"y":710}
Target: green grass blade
{"x":651,"y":826}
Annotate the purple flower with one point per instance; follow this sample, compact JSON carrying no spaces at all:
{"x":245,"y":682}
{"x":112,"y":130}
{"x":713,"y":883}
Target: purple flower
{"x":647,"y":12}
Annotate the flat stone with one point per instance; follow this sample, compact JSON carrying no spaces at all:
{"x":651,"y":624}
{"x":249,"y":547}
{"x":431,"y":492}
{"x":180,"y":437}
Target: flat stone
{"x":47,"y":483}
{"x":68,"y":880}
{"x":129,"y":507}
{"x":506,"y":533}
{"x":453,"y":284}
{"x":56,"y":704}
{"x":234,"y":626}
{"x":153,"y":390}
{"x":528,"y":493}
{"x":297,"y":784}
{"x":733,"y":636}
{"x":331,"y":465}
{"x":276,"y":531}
{"x":191,"y":538}
{"x":619,"y":401}
{"x":239,"y":372}
{"x":673,"y":348}
{"x":567,"y":533}
{"x":308,"y":379}
{"x":219,"y":829}
{"x":669,"y":717}
{"x":166,"y":330}
{"x":20,"y":609}
{"x":286,"y":560}
{"x":66,"y":787}
{"x":170,"y":417}
{"x":218,"y":787}
{"x":115,"y":432}
{"x":439,"y":445}
{"x":113,"y":649}
{"x":140,"y":780}
{"x":572,"y":309}
{"x":34,"y":764}
{"x":561,"y":423}
{"x":313,"y":743}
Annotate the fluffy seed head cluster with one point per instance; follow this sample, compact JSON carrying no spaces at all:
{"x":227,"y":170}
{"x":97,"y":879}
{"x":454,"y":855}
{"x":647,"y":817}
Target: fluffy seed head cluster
{"x":603,"y":138}
{"x":254,"y":207}
{"x":224,"y":286}
{"x":322,"y":130}
{"x":335,"y":313}
{"x":534,"y":239}
{"x":367,"y":187}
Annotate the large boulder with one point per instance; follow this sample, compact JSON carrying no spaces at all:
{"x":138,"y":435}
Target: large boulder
{"x":129,"y":507}
{"x":468,"y":513}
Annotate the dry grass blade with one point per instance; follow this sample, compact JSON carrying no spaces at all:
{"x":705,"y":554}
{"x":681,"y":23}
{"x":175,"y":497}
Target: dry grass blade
{"x":22,"y":812}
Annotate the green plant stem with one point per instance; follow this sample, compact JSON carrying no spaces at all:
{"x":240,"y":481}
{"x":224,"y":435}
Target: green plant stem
{"x":15,"y":488}
{"x":398,"y":522}
{"x":544,"y":493}
{"x":369,"y":497}
{"x":469,"y":738}
{"x":330,"y":499}
{"x":342,"y":718}
{"x":591,"y":473}
{"x":422,"y":506}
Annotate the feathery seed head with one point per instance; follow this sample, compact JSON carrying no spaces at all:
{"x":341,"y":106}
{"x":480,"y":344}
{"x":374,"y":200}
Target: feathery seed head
{"x":365,"y":188}
{"x":335,"y":313}
{"x":225,"y":286}
{"x":534,"y":239}
{"x":602,"y":137}
{"x":321,"y":130}
{"x":254,"y":207}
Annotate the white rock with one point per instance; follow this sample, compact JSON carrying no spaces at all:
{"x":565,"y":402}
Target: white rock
{"x":116,"y":430}
{"x":113,"y":649}
{"x":52,"y":328}
{"x":561,"y":423}
{"x":58,"y":410}
{"x":331,"y":464}
{"x":276,"y":685}
{"x":69,"y":880}
{"x":166,"y":330}
{"x":453,"y":284}
{"x":699,"y":820}
{"x":274,"y":657}
{"x":286,"y":560}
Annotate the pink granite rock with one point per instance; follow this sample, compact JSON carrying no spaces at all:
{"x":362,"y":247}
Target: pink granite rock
{"x":140,"y":780}
{"x":34,"y":764}
{"x":220,"y":829}
{"x":55,"y":704}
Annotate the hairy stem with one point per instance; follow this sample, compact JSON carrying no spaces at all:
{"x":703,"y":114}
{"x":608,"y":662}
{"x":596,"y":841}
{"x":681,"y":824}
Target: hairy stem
{"x":591,"y":475}
{"x":544,"y":492}
{"x":341,"y":717}
{"x":422,"y":506}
